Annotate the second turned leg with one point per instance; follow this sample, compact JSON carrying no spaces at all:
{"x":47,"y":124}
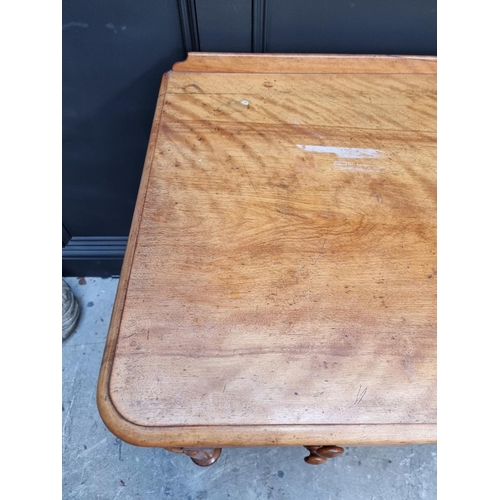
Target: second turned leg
{"x":203,"y":457}
{"x":319,"y":454}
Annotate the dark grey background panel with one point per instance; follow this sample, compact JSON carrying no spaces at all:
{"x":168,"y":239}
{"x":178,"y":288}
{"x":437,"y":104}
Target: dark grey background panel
{"x":114,"y":54}
{"x":189,"y":25}
{"x":93,"y":256}
{"x":351,"y":26}
{"x":224,"y":25}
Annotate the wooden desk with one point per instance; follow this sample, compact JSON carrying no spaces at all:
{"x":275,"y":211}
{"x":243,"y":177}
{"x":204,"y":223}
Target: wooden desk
{"x":279,"y":285}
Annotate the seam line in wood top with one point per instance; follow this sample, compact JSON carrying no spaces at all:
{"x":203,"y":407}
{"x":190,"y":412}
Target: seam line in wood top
{"x":392,"y":130}
{"x":271,"y":55}
{"x":257,"y":426}
{"x":298,"y":127}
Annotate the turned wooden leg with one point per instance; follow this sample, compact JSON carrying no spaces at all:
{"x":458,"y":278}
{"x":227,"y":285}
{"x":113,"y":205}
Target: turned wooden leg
{"x":319,"y":454}
{"x":314,"y":458}
{"x":200,"y":456}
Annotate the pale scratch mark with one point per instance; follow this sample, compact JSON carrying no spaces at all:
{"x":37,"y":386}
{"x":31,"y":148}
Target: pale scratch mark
{"x":88,"y":450}
{"x":257,"y":194}
{"x":86,"y":464}
{"x":225,"y":463}
{"x":84,"y":345}
{"x":77,"y":369}
{"x":81,"y":490}
{"x":244,"y":470}
{"x":120,"y":459}
{"x":360,"y":395}
{"x":284,"y":215}
{"x":410,"y":483}
{"x":119,"y":492}
{"x":67,"y":415}
{"x":342,"y":152}
{"x":320,"y":252}
{"x":383,"y":494}
{"x":408,"y":367}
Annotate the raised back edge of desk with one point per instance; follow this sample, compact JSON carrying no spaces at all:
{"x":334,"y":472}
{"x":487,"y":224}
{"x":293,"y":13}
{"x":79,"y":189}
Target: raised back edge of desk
{"x":301,"y":63}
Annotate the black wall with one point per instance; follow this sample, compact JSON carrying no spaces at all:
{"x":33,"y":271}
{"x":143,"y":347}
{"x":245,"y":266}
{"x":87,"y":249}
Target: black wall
{"x":115,"y":52}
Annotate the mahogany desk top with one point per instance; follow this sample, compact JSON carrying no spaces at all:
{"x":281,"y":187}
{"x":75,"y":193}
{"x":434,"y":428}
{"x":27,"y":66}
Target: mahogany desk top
{"x":279,"y":284}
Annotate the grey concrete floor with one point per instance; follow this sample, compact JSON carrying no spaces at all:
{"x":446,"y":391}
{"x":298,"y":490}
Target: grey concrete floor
{"x":97,"y":465}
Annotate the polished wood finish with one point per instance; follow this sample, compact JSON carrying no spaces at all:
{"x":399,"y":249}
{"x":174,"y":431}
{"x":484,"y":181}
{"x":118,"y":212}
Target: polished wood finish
{"x":204,"y":457}
{"x":330,"y":451}
{"x":319,"y":454}
{"x":279,"y":285}
{"x":314,"y":458}
{"x":199,"y":62}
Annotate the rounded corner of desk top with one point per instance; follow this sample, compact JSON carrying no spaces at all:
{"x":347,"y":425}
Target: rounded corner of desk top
{"x":261,"y":435}
{"x":273,"y":435}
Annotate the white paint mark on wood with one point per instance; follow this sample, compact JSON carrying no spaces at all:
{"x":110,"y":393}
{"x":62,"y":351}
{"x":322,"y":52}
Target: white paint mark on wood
{"x":343,"y":152}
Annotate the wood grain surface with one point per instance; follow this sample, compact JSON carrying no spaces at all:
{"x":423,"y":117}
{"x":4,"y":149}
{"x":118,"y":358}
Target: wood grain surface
{"x":279,"y":285}
{"x":300,"y":63}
